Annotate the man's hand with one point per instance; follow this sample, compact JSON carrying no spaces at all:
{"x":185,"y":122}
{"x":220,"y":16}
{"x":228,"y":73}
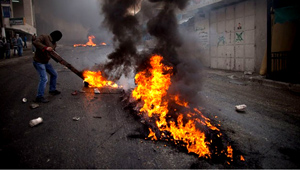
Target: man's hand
{"x":49,"y":49}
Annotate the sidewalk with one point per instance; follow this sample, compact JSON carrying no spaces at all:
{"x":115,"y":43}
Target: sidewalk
{"x":242,"y":78}
{"x":27,"y":54}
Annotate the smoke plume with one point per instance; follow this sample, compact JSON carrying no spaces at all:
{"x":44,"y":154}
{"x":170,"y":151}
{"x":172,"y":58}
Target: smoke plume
{"x":160,"y":18}
{"x":124,"y":26}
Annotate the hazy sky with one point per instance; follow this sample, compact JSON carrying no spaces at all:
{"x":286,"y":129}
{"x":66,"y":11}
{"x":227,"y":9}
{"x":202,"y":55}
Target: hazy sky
{"x":76,"y":19}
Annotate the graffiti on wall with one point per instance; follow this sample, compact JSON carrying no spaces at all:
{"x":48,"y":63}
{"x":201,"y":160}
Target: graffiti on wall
{"x":202,"y":30}
{"x":239,"y":36}
{"x":239,"y":27}
{"x":221,"y":40}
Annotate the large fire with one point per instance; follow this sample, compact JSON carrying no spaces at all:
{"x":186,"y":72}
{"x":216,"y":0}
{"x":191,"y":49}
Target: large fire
{"x":156,"y":107}
{"x":152,"y":89}
{"x":95,"y":79}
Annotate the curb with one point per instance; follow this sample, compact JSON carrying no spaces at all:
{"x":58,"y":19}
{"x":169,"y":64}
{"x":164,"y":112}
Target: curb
{"x":260,"y":80}
{"x":276,"y":84}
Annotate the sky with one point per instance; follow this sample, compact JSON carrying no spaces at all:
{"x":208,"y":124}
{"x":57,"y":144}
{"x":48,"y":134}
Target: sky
{"x":76,"y":19}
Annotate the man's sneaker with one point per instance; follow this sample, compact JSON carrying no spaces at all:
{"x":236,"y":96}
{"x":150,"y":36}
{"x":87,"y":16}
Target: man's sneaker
{"x":55,"y":92}
{"x":41,"y":100}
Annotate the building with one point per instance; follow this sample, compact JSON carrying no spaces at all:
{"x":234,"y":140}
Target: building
{"x":17,"y":17}
{"x":237,"y":35}
{"x":232,"y":34}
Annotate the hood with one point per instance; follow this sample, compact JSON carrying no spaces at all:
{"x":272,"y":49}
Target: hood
{"x":56,"y":35}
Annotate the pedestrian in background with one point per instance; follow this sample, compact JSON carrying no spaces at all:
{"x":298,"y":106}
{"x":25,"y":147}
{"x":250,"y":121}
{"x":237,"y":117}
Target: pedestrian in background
{"x":25,"y":41}
{"x":33,"y":38}
{"x":1,"y":49}
{"x":20,"y":45}
{"x":45,"y":44}
{"x":15,"y":45}
{"x":7,"y":49}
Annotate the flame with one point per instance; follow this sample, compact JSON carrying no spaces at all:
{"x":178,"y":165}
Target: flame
{"x":153,"y":84}
{"x":242,"y":158}
{"x":89,"y":43}
{"x":179,"y":102}
{"x":152,"y":134}
{"x":229,"y":152}
{"x":103,"y":43}
{"x":95,"y":79}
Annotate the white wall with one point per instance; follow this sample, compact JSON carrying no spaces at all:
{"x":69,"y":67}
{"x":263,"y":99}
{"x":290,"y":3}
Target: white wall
{"x":232,"y":37}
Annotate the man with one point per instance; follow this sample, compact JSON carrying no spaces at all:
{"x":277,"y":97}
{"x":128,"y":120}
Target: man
{"x":25,"y":41}
{"x":15,"y":45}
{"x":2,"y":49}
{"x":7,"y":49}
{"x":45,"y":44}
{"x":20,"y":45}
{"x":33,"y":38}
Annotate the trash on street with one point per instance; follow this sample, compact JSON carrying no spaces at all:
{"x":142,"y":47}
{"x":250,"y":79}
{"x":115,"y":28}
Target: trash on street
{"x":96,"y":90}
{"x":240,"y":108}
{"x":34,"y":105}
{"x":248,"y":73}
{"x":35,"y":122}
{"x":76,"y":118}
{"x":74,"y":93}
{"x":24,"y":100}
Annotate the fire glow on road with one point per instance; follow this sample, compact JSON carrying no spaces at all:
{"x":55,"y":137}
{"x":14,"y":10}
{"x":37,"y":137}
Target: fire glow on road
{"x":95,"y":79}
{"x":181,"y":128}
{"x":171,"y":118}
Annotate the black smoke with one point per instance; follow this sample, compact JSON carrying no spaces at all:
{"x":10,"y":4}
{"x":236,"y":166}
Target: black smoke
{"x":161,"y":22}
{"x":125,"y":28}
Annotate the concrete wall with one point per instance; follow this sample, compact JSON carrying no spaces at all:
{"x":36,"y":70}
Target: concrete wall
{"x":18,"y":9}
{"x":28,"y":12}
{"x":261,"y":32}
{"x":21,"y":9}
{"x":233,"y":37}
{"x":201,"y":29}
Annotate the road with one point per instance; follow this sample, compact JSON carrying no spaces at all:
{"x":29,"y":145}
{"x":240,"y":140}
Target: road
{"x":267,"y":134}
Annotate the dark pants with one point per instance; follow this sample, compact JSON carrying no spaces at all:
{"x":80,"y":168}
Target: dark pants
{"x":20,"y":50}
{"x":15,"y":50}
{"x":7,"y":53}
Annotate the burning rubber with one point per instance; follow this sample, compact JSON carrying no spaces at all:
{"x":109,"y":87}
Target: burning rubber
{"x":169,"y":118}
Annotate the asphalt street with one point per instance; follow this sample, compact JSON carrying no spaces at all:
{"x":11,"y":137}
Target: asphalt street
{"x":90,"y":130}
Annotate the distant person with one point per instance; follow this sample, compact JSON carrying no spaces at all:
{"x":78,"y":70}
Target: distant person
{"x":33,"y":38}
{"x":15,"y":45}
{"x":7,"y":49}
{"x":19,"y":45}
{"x":44,"y":44}
{"x":25,"y":41}
{"x":1,"y":49}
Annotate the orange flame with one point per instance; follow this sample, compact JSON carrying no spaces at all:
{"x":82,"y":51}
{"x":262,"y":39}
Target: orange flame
{"x":152,"y":88}
{"x":229,"y":152}
{"x":103,"y":43}
{"x":95,"y":79}
{"x":89,"y":43}
{"x":242,"y":158}
{"x":152,"y":134}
